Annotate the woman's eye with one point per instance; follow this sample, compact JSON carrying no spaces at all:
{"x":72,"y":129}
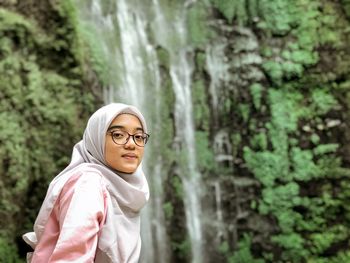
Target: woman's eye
{"x":118,"y":135}
{"x":138,"y":137}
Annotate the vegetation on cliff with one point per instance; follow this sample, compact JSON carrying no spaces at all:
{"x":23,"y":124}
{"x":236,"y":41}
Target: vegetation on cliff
{"x":272,"y":128}
{"x":45,"y":100}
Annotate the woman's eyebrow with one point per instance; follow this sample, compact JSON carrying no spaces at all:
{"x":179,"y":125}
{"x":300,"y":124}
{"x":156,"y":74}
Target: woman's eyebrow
{"x":116,"y":127}
{"x":122,"y":127}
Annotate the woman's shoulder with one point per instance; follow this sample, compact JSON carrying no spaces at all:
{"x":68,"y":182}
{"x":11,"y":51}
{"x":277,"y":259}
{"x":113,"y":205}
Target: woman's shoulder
{"x":88,"y":168}
{"x":86,"y":175}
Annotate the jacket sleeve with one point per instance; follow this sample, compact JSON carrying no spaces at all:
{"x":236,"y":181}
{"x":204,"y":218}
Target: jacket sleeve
{"x":80,"y":215}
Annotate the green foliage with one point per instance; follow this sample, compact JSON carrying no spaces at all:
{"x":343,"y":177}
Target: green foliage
{"x":323,"y":101}
{"x":42,"y":114}
{"x":243,"y":254}
{"x":323,"y":240}
{"x":282,"y":168}
{"x":256,"y":92}
{"x":183,"y":249}
{"x":303,"y":165}
{"x":232,"y":9}
{"x":274,"y":71}
{"x":198,"y":29}
{"x":168,"y":210}
{"x":98,"y":56}
{"x":341,"y":257}
{"x":325,"y":148}
{"x":280,"y":16}
{"x":163,"y":57}
{"x":200,"y":105}
{"x":8,"y":252}
{"x":205,"y":157}
{"x":244,"y":111}
{"x":346,"y":7}
{"x":314,"y":28}
{"x":177,"y":185}
{"x":259,"y":141}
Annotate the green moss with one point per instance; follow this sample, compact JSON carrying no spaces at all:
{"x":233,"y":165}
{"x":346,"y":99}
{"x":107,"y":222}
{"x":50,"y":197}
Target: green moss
{"x":280,"y":16}
{"x":163,"y":57}
{"x":256,"y":92}
{"x":97,"y":55}
{"x":259,"y":141}
{"x":346,"y":7}
{"x":177,"y":185}
{"x":197,"y":24}
{"x":8,"y":252}
{"x":205,"y":157}
{"x":244,"y":253}
{"x":200,"y":61}
{"x":303,"y":164}
{"x":274,"y":70}
{"x":183,"y":249}
{"x":42,"y":100}
{"x":323,"y":240}
{"x":317,"y":26}
{"x":200,"y":105}
{"x":322,"y":101}
{"x":234,"y":10}
{"x":168,"y":210}
{"x":281,"y":168}
{"x":294,"y":246}
{"x":274,"y":166}
{"x":244,"y":111}
{"x":326,"y":148}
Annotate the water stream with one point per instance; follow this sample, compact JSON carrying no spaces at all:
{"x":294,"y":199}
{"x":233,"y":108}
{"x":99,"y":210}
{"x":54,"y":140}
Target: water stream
{"x":217,"y":68}
{"x":133,"y":77}
{"x":181,"y":72}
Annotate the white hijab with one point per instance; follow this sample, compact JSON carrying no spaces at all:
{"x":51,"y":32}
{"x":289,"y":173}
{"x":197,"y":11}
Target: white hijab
{"x":119,"y":239}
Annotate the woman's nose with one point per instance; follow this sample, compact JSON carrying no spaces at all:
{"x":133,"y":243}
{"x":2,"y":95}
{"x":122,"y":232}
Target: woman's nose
{"x":130,"y":143}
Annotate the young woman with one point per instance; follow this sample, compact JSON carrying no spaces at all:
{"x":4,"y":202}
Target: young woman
{"x":91,"y":209}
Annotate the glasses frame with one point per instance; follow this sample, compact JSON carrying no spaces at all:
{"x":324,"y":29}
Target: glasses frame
{"x":127,"y":139}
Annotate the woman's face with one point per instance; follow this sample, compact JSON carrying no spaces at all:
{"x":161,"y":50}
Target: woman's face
{"x":123,"y":158}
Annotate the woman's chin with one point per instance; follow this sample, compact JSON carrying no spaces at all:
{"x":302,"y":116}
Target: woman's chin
{"x":126,"y":170}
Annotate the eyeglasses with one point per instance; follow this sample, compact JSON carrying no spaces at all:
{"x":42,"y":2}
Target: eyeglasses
{"x":122,"y":137}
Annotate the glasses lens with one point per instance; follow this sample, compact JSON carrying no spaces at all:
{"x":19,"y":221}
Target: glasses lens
{"x":140,"y":139}
{"x":120,"y":137}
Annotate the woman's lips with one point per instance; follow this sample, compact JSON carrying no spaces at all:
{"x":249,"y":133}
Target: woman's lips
{"x":130,"y":156}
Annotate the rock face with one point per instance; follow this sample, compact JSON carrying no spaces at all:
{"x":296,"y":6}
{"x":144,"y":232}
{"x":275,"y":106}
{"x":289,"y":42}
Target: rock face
{"x":248,"y":107}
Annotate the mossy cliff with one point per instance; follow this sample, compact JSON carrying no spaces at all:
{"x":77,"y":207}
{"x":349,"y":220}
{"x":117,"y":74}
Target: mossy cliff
{"x":271,"y":93}
{"x":284,"y":110}
{"x":46,"y":97}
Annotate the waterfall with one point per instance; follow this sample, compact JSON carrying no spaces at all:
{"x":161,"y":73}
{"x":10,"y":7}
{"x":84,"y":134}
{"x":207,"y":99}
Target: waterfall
{"x":220,"y":225}
{"x":180,"y":72}
{"x":133,"y":76}
{"x":217,"y":67}
{"x":132,"y":69}
{"x":140,"y":66}
{"x":181,"y":76}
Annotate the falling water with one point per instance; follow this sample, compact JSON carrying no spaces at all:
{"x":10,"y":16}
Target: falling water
{"x":132,"y":69}
{"x":180,"y":72}
{"x":217,"y":68}
{"x":181,"y":75}
{"x":141,"y":68}
{"x":133,"y":74}
{"x":220,"y":225}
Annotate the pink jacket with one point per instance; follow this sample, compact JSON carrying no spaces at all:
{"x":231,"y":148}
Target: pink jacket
{"x":71,"y":233}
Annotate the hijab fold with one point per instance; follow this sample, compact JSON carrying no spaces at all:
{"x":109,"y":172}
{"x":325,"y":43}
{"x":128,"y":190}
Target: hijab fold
{"x":119,"y":239}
